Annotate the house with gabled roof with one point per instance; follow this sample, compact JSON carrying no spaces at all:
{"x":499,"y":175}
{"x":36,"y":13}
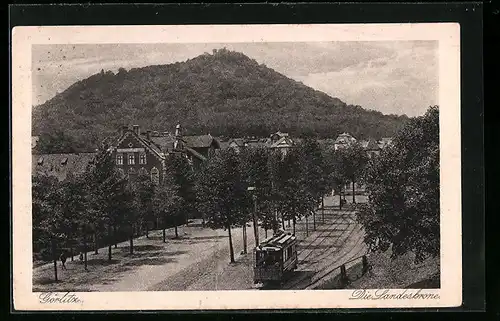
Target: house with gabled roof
{"x":372,"y":148}
{"x":135,"y":155}
{"x":237,"y":144}
{"x":343,"y":140}
{"x":203,"y":144}
{"x":283,"y":145}
{"x":277,"y":136}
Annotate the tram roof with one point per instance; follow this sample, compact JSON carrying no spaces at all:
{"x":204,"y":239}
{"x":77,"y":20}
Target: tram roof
{"x":277,"y":241}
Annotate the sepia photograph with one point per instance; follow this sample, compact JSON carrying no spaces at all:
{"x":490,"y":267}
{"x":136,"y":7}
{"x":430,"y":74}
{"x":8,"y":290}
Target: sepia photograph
{"x":250,"y":166}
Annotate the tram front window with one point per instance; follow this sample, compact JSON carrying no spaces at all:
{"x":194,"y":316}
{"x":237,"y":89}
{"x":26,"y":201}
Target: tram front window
{"x":265,"y":258}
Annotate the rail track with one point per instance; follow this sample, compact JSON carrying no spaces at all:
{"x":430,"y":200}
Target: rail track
{"x":305,"y":281}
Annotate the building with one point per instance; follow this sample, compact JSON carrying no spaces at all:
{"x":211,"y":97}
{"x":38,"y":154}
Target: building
{"x":385,"y":142}
{"x":283,"y":144}
{"x":372,"y":148}
{"x":277,"y":136}
{"x":237,"y":144}
{"x":203,"y":144}
{"x":343,"y":140}
{"x":133,"y":153}
{"x":61,"y":166}
{"x":136,"y":153}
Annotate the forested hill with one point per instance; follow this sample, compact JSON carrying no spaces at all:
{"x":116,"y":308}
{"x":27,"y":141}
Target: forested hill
{"x":224,"y":93}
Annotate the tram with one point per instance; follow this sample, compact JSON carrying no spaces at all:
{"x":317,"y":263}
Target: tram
{"x":275,"y":257}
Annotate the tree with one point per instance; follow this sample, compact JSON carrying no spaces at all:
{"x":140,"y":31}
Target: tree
{"x":167,"y":204}
{"x":335,"y":178}
{"x":74,"y":208}
{"x":144,"y":193}
{"x":47,"y":215}
{"x":256,"y":173}
{"x":353,"y":160}
{"x":312,"y":174}
{"x":222,"y":192}
{"x":274,"y":165}
{"x":108,"y":196}
{"x":403,"y":183}
{"x":177,"y":165}
{"x":130,"y":216}
{"x":294,"y":197}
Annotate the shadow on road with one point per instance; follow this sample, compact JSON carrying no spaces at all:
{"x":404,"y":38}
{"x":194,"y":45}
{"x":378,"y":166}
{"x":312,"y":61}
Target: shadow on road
{"x":319,"y":247}
{"x":104,"y":262}
{"x":149,"y":261}
{"x":142,"y":248}
{"x":215,"y":237}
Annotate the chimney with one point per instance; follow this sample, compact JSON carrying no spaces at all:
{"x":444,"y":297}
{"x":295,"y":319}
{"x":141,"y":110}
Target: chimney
{"x":136,"y":130}
{"x":124,"y":129}
{"x":148,"y":135}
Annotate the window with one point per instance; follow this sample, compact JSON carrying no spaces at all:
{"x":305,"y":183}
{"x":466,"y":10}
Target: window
{"x":119,"y":159}
{"x":131,"y":159}
{"x":155,"y":176}
{"x":289,"y":253}
{"x":142,"y":159}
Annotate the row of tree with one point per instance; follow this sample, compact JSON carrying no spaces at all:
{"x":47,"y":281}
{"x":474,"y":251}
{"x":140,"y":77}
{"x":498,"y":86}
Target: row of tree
{"x":104,"y":207}
{"x":230,"y":189}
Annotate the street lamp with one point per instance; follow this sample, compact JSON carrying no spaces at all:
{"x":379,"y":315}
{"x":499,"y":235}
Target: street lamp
{"x":252,"y":189}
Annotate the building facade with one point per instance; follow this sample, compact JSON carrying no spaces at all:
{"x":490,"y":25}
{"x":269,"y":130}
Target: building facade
{"x":134,"y":155}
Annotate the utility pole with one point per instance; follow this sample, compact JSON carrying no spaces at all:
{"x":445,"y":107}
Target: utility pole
{"x":54,"y":256}
{"x":245,"y":238}
{"x":323,"y":208}
{"x":255,"y":222}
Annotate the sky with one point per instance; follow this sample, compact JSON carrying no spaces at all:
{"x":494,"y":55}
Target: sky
{"x":393,"y":77}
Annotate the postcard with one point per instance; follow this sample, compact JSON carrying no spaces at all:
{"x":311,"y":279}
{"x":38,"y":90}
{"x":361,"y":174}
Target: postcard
{"x":200,"y":167}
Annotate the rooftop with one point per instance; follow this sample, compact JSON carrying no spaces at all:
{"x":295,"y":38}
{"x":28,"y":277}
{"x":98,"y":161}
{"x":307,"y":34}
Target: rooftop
{"x":61,"y":165}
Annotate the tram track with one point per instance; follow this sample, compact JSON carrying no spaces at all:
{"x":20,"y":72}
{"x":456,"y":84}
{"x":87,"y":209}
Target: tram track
{"x":339,"y":217}
{"x":325,"y":252}
{"x":324,"y":237}
{"x":303,"y":283}
{"x":319,"y":254}
{"x":328,"y":271}
{"x":295,"y":283}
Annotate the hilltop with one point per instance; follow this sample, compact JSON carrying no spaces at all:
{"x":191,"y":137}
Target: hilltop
{"x":224,"y":93}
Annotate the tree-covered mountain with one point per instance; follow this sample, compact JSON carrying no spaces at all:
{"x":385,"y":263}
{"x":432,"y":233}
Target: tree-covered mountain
{"x":224,"y":93}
